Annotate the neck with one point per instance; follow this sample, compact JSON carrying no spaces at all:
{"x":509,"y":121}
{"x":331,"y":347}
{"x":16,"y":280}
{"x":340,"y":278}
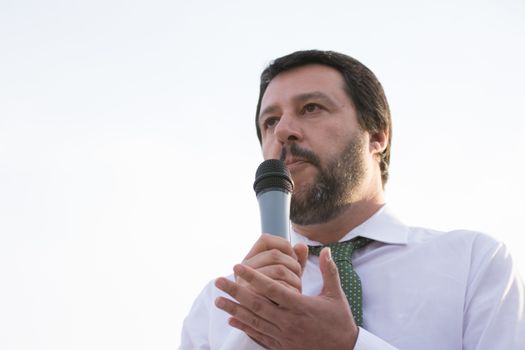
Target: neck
{"x":353,"y":215}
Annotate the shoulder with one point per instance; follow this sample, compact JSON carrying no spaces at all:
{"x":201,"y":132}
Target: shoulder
{"x":462,"y":239}
{"x":477,"y":250}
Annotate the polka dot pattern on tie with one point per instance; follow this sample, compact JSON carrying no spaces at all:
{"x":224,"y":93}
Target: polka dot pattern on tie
{"x":342,"y":256}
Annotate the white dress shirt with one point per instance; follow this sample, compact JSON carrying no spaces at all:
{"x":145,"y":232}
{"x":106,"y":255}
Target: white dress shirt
{"x":422,"y":290}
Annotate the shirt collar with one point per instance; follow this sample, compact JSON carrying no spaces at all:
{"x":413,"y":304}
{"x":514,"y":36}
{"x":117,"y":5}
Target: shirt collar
{"x":383,"y":226}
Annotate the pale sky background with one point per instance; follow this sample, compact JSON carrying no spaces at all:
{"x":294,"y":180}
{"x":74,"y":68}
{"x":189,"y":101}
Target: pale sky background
{"x":128,"y":147}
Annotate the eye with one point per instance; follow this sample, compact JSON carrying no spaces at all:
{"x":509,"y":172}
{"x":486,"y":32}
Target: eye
{"x":270,"y":122}
{"x":311,"y":108}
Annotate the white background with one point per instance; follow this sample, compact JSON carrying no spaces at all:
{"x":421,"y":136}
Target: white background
{"x":128,"y":147}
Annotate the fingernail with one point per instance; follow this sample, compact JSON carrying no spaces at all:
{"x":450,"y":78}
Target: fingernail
{"x":219,"y":302}
{"x":332,"y":267}
{"x":219,"y":283}
{"x":329,"y":257}
{"x":238,"y":269}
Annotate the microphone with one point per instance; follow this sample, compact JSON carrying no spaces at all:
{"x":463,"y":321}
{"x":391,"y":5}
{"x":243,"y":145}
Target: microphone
{"x":273,"y":186}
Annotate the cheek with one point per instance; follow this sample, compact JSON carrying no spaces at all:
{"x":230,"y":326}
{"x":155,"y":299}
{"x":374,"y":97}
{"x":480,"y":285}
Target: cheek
{"x":330,"y":141}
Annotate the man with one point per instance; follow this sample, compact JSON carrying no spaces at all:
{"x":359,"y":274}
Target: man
{"x":397,"y":287}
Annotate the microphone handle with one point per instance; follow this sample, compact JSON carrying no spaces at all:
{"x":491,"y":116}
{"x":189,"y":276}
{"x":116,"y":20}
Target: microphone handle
{"x":274,"y":207}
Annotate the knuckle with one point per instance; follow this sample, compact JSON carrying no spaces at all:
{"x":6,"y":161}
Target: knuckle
{"x":297,"y":267}
{"x":232,"y":309}
{"x":272,"y":290}
{"x":265,"y":241}
{"x":257,"y":306}
{"x":248,"y":277}
{"x":255,"y":323}
{"x":274,"y":344}
{"x":280,"y":272}
{"x":233,"y":290}
{"x":240,"y":281}
{"x":275,"y":254}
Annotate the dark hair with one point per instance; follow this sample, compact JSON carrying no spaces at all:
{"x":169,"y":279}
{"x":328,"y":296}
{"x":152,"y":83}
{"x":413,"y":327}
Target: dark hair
{"x":362,"y":87}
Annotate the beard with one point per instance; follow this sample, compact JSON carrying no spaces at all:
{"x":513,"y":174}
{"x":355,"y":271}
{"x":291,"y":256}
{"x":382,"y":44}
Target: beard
{"x":333,"y":188}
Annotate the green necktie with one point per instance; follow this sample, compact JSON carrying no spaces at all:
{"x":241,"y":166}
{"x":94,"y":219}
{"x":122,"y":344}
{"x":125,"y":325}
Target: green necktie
{"x":342,"y":255}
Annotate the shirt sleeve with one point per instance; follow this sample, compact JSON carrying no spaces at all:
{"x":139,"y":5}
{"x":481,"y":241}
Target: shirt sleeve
{"x":199,"y":325}
{"x":194,"y":334}
{"x":368,"y":341}
{"x":239,"y":340}
{"x":494,"y":304}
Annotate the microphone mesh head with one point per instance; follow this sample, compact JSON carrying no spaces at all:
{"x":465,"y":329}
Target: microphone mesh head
{"x":272,"y":174}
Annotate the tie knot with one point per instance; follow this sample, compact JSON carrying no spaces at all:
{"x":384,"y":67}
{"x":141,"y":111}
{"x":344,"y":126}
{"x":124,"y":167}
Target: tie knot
{"x":342,"y":250}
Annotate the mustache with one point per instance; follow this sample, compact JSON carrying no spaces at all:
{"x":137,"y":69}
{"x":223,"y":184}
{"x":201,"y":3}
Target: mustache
{"x":300,"y":152}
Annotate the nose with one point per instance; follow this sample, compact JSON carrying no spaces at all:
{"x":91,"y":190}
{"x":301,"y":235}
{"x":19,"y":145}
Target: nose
{"x":288,"y":129}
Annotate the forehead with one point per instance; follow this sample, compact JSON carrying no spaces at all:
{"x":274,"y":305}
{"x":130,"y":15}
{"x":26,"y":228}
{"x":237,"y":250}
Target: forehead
{"x":304,"y":80}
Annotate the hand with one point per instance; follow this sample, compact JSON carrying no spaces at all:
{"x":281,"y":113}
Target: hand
{"x":275,"y":258}
{"x":278,"y":318}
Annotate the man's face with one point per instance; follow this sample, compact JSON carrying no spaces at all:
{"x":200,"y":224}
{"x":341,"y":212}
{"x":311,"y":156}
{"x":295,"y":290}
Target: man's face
{"x":306,"y":112}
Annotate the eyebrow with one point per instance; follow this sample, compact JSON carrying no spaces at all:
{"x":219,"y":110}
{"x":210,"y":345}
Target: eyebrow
{"x":318,"y":95}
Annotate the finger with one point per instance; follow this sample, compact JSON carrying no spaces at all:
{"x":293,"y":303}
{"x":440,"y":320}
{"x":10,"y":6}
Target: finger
{"x":282,"y":274}
{"x":274,"y":257}
{"x":301,"y":250}
{"x":246,"y":316}
{"x":261,"y":339}
{"x":331,"y":283}
{"x":268,"y":242}
{"x":265,"y":286}
{"x":257,"y":304}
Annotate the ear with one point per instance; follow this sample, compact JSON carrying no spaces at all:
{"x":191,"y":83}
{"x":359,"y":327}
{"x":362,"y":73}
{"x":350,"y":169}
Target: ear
{"x":378,"y":142}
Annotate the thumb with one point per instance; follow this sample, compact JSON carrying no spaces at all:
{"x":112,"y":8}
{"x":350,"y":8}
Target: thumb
{"x":331,"y":283}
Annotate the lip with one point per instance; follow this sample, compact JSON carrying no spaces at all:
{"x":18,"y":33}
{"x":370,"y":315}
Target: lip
{"x":295,"y":162}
